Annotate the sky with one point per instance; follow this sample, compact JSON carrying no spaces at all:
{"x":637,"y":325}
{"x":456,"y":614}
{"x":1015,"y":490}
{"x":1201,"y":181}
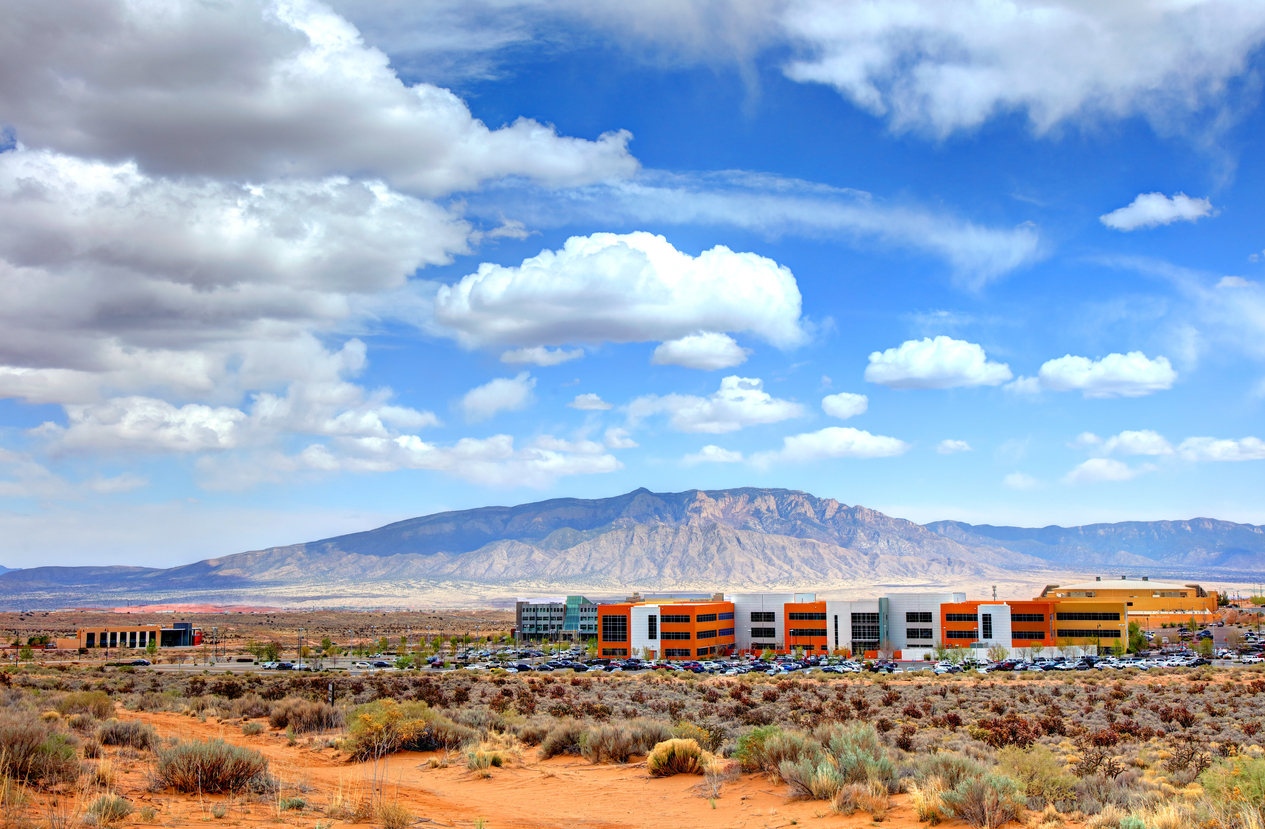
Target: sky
{"x":276,"y":271}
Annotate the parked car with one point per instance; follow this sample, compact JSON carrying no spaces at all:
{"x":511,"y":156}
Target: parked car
{"x":139,"y":662}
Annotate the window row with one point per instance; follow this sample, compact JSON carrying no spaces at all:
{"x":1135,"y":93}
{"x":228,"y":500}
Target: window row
{"x":706,"y":617}
{"x":959,"y":617}
{"x":806,"y":632}
{"x":1088,"y":617}
{"x":705,"y":634}
{"x":763,"y":633}
{"x":806,"y":617}
{"x":614,"y":651}
{"x":970,"y":635}
{"x":1088,"y":633}
{"x":919,"y":633}
{"x":669,"y":635}
{"x":1028,"y":634}
{"x":763,"y":616}
{"x":725,"y":616}
{"x":1027,"y":617}
{"x":918,"y":617}
{"x":615,"y":628}
{"x":675,"y":619}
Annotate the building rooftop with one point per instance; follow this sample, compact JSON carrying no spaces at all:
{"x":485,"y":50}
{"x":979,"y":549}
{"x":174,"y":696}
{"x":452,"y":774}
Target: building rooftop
{"x":1123,"y":584}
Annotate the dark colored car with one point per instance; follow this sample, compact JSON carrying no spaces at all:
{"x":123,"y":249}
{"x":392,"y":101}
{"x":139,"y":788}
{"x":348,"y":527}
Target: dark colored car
{"x":139,"y":662}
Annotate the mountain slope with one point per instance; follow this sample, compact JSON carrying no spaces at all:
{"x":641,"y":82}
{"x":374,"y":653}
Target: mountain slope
{"x":1198,"y":544}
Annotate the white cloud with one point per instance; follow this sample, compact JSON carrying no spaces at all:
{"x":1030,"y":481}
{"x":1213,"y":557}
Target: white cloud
{"x":1218,"y":449}
{"x":254,"y":91}
{"x":1020,"y":481}
{"x":707,"y":351}
{"x":740,"y":401}
{"x":1086,"y":440}
{"x":617,"y":438}
{"x":1021,"y":385}
{"x":844,"y":405}
{"x":1116,"y":375}
{"x":772,"y":206}
{"x":940,"y":363}
{"x":950,"y":447}
{"x":712,"y":454}
{"x":126,"y":482}
{"x":541,"y":356}
{"x":1152,"y":209}
{"x":942,"y":67}
{"x":492,"y":461}
{"x":145,"y":424}
{"x":1143,"y":442}
{"x":589,"y":402}
{"x":504,"y":394}
{"x":831,"y":442}
{"x":634,"y":287}
{"x":1098,"y":470}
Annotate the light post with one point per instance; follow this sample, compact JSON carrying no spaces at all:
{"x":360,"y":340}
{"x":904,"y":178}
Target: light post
{"x":301,"y":632}
{"x":1098,"y":641}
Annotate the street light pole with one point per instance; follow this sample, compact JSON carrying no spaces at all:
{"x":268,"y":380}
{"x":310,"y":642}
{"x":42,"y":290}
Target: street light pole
{"x":301,"y":632}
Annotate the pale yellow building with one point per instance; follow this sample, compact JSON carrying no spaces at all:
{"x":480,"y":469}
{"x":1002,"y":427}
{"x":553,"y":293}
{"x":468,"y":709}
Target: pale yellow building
{"x":1146,"y":601}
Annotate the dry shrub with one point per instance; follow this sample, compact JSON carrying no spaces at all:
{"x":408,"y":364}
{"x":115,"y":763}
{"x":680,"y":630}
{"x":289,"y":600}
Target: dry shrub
{"x":765,"y":749}
{"x":927,"y":798}
{"x":109,"y":809}
{"x":676,"y":757}
{"x":869,"y":797}
{"x":250,"y":707}
{"x":211,"y":767}
{"x":985,"y":802}
{"x":96,"y":703}
{"x":1234,"y":783}
{"x":138,"y":735}
{"x":302,"y":716}
{"x":250,"y":729}
{"x":1111,"y":817}
{"x":1008,"y":730}
{"x":31,"y":751}
{"x":103,"y":774}
{"x":482,"y":762}
{"x":617,"y":743}
{"x":394,"y":816}
{"x":567,"y":737}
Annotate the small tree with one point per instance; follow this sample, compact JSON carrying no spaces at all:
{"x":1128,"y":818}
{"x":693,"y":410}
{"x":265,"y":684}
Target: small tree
{"x":26,"y":653}
{"x":1192,"y":625}
{"x":151,"y":647}
{"x":1204,"y":648}
{"x":1137,"y":639}
{"x":998,"y":652}
{"x":1118,"y":648}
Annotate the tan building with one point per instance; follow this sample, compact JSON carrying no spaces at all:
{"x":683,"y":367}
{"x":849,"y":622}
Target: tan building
{"x":179,"y":635}
{"x":1147,"y":602}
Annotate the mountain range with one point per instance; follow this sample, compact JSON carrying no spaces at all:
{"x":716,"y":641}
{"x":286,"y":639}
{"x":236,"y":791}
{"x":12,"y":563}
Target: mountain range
{"x":744,"y":538}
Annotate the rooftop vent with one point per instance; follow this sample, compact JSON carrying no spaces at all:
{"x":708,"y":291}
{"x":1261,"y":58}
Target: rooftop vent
{"x":1146,"y":578}
{"x":1122,"y":578}
{"x":1097,"y":578}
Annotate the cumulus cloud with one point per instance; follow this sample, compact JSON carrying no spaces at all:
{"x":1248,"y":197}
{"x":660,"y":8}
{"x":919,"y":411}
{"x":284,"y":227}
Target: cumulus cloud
{"x":589,"y":402}
{"x":541,"y":356}
{"x":740,"y":402}
{"x":844,"y":405}
{"x":1153,"y":209}
{"x":831,"y":442}
{"x":146,"y":424}
{"x":632,"y":287}
{"x":1116,"y":375}
{"x":940,"y":363}
{"x":712,"y":454}
{"x":1020,"y":481}
{"x":940,"y":68}
{"x":255,"y":91}
{"x":951,"y":447}
{"x":707,"y":351}
{"x":1221,"y":449}
{"x":1143,"y":442}
{"x":1098,"y":470}
{"x":504,"y":394}
{"x":617,"y":438}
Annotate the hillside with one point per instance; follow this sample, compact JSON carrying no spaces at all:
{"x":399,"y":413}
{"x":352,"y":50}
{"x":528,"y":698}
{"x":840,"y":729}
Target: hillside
{"x":744,"y":538}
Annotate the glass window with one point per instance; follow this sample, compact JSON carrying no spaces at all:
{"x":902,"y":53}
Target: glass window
{"x":918,"y":617}
{"x":615,"y":628}
{"x":706,"y":617}
{"x":1088,"y":617}
{"x":806,"y":617}
{"x":725,"y":616}
{"x":959,"y":617}
{"x":676,"y":634}
{"x":865,"y":627}
{"x":763,"y":633}
{"x":763,"y":616}
{"x":961,"y":634}
{"x":705,"y":634}
{"x":652,"y":627}
{"x":675,"y":619}
{"x":918,"y":633}
{"x":1027,"y":617}
{"x":806,"y":632}
{"x":1028,"y":634}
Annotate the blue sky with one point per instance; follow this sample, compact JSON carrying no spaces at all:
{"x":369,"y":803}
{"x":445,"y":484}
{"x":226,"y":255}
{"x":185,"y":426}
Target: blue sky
{"x":277,"y":271}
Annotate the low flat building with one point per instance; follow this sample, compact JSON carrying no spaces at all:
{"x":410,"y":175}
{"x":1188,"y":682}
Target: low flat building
{"x":557,"y":617}
{"x":1146,"y":601}
{"x":179,"y":635}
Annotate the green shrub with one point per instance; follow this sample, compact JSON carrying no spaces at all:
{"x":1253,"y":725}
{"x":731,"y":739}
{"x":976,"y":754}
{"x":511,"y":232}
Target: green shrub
{"x":1040,"y":773}
{"x":138,"y":735}
{"x":1236,"y":782}
{"x":110,"y":809}
{"x":291,"y":804}
{"x":767,"y":747}
{"x":384,"y":727}
{"x":812,"y":780}
{"x":676,"y":757}
{"x":96,"y":703}
{"x":250,"y":729}
{"x":617,"y":743}
{"x":985,"y":802}
{"x":858,"y":754}
{"x":31,"y":751}
{"x":214,"y":766}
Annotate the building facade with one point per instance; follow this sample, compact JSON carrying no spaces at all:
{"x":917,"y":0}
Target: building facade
{"x":670,"y":629}
{"x":1146,"y":601}
{"x":572,"y":617}
{"x":179,"y":635}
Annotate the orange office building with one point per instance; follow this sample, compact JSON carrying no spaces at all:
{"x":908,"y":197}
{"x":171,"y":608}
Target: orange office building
{"x":670,"y":629}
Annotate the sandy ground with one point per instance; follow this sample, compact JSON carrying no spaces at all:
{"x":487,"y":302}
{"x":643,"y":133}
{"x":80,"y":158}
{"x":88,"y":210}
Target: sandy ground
{"x":527,"y":793}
